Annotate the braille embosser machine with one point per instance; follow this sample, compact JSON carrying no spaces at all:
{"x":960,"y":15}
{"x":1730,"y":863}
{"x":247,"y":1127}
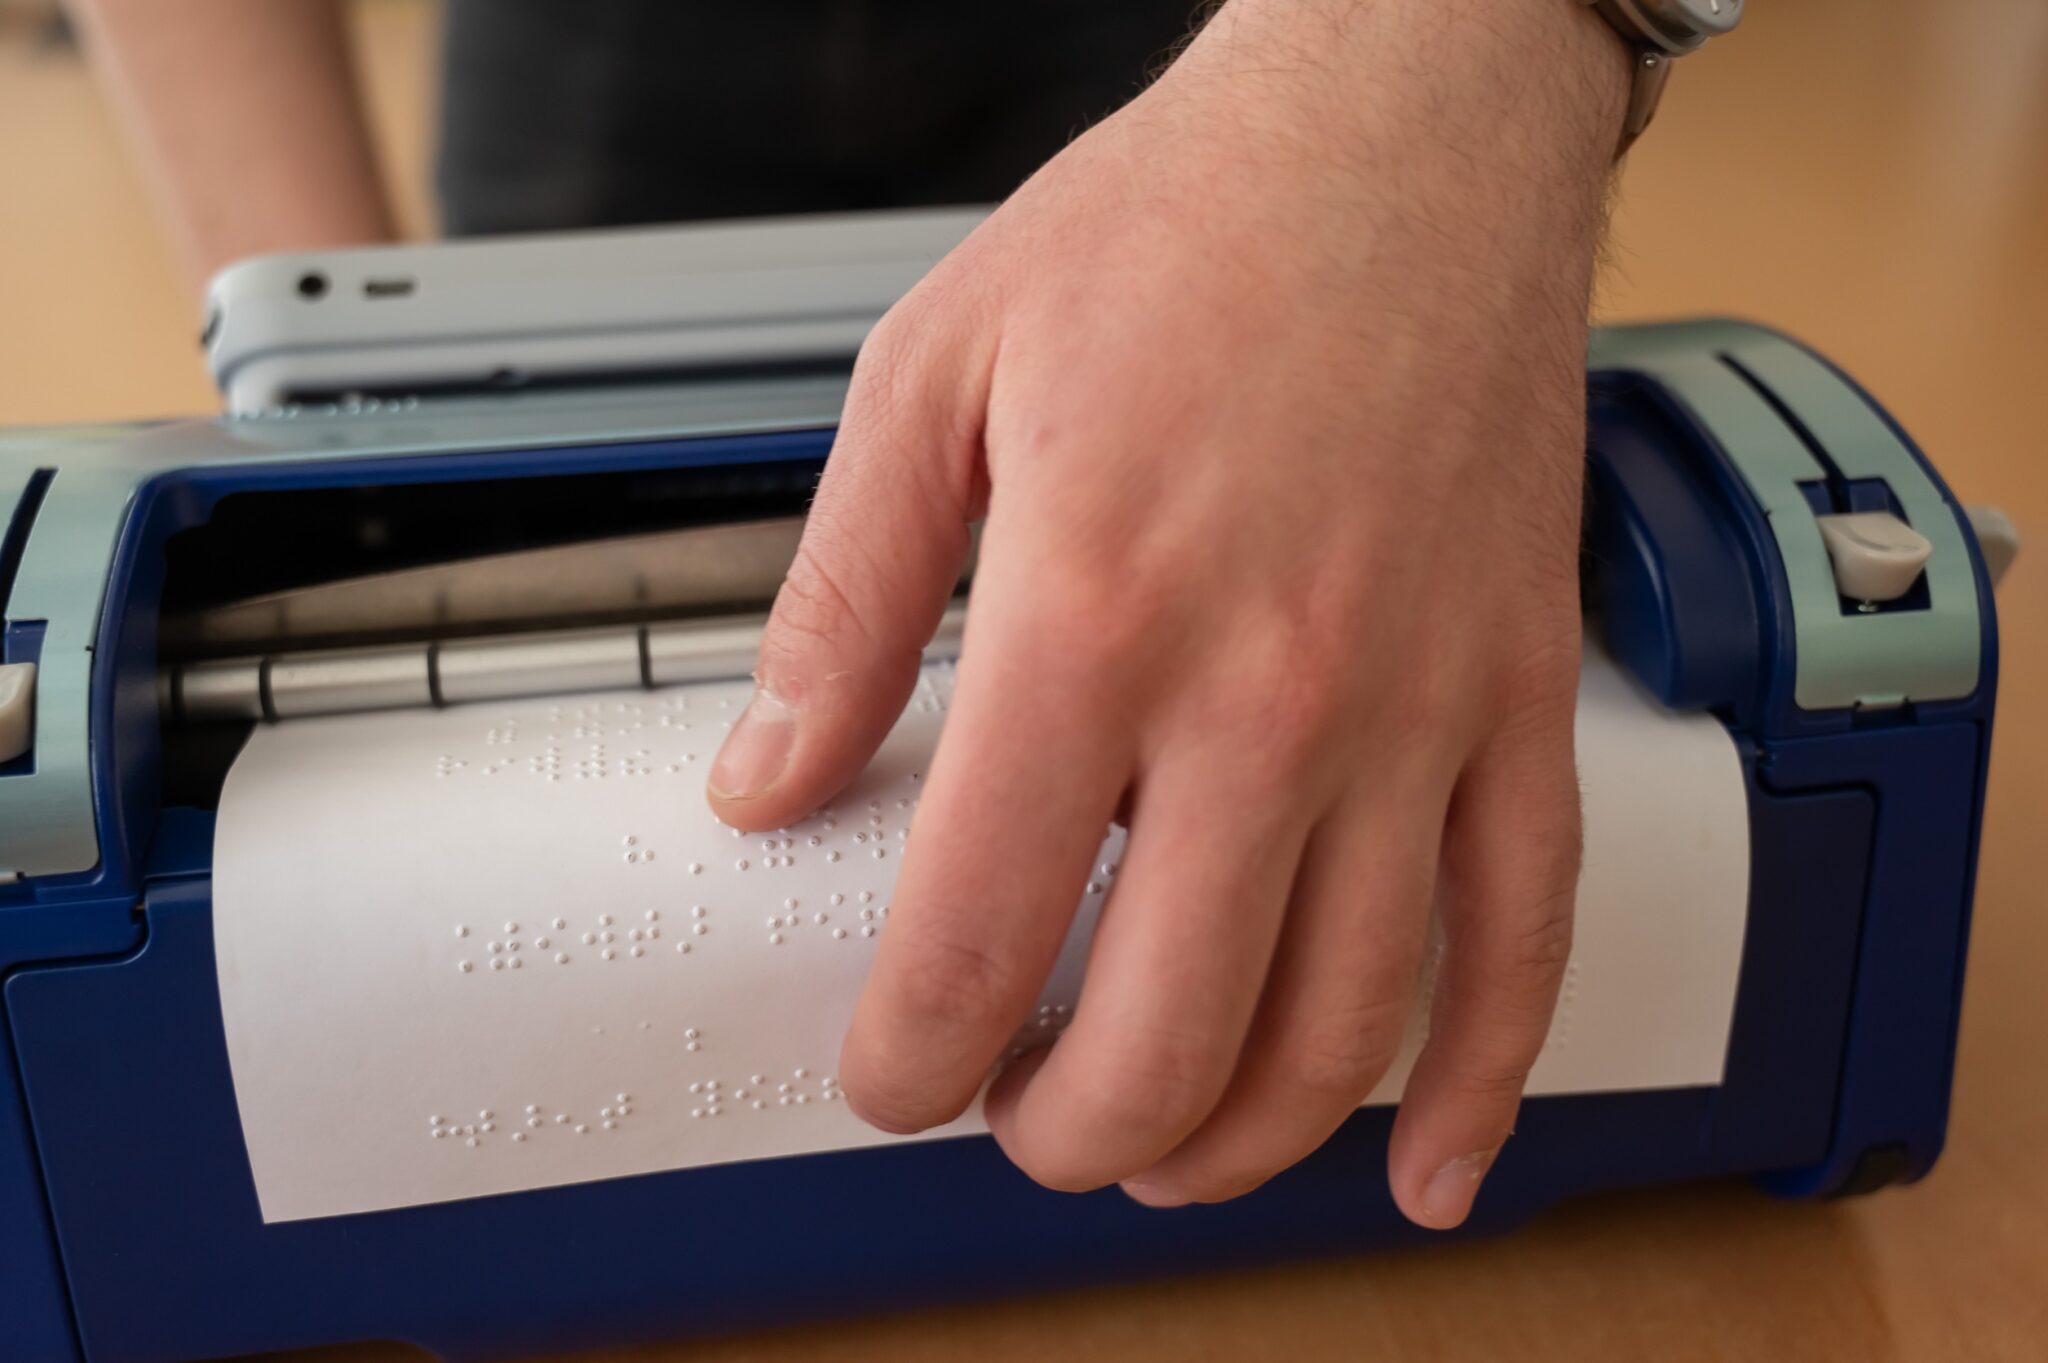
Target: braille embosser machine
{"x":370,"y":968}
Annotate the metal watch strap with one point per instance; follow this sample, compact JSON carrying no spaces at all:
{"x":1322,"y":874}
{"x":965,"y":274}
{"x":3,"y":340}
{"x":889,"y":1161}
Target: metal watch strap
{"x":1657,"y":31}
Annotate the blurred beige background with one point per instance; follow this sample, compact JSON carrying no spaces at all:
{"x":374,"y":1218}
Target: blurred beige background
{"x":1871,"y":175}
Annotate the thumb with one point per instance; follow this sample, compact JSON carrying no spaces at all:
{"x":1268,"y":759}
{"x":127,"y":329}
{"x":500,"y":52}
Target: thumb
{"x":881,"y":551}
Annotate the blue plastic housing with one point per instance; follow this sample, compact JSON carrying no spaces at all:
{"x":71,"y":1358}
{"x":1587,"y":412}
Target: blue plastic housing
{"x":132,"y":1231}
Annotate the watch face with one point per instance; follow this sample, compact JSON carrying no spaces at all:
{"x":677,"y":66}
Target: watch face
{"x":1705,"y":17}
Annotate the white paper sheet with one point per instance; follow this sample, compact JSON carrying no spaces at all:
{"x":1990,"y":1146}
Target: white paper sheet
{"x":506,"y":946}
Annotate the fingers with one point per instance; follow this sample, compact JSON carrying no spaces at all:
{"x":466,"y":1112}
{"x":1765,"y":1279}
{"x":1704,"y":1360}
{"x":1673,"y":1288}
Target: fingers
{"x":1331,"y":1018}
{"x":1511,"y":869}
{"x":881,"y":550}
{"x":1019,"y":797}
{"x":1173,"y":979}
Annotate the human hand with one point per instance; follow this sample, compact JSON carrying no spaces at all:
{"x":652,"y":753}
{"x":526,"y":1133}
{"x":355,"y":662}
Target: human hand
{"x":1271,"y":389}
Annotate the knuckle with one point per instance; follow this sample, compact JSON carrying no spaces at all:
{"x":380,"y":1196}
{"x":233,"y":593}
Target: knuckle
{"x":954,"y":984}
{"x":1163,"y":1079}
{"x":816,"y":607}
{"x":1343,"y":1056}
{"x":1505,"y":986}
{"x":1491,"y":1079}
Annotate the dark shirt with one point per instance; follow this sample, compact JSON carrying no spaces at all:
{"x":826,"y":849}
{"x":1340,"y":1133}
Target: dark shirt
{"x":557,"y":114}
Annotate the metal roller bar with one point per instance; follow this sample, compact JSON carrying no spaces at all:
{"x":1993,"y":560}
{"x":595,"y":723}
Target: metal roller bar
{"x":497,"y":667}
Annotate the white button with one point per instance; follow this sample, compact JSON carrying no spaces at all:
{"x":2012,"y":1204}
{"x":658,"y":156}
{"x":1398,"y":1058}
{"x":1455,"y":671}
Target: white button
{"x":1877,"y":556}
{"x":17,"y":708}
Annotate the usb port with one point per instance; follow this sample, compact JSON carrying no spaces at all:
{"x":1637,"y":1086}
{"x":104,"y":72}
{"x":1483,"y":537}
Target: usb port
{"x":386,"y":288}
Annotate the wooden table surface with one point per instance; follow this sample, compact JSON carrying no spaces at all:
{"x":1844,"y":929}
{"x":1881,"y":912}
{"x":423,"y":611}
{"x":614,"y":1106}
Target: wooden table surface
{"x":1871,"y":175}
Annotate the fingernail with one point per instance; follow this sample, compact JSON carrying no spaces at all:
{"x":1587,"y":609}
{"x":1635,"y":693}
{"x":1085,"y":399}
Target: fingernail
{"x":756,"y":751}
{"x":1448,"y":1195}
{"x":1151,"y":1194}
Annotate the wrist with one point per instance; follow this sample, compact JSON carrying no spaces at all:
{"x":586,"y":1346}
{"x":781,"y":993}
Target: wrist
{"x":1527,"y":86}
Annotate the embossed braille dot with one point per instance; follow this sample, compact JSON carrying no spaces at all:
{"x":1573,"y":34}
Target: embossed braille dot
{"x":637,"y":951}
{"x":867,"y":915}
{"x":803,"y":1097}
{"x":774,"y":921}
{"x":461,"y":931}
{"x":839,"y":934}
{"x":801,"y":1073}
{"x":540,"y":943}
{"x":516,"y":962}
{"x":582,"y":1129}
{"x":697,"y":911}
{"x":607,"y":936}
{"x":590,"y":939}
{"x":1093,"y":888}
{"x":561,"y":958}
{"x":487,"y":1127}
{"x":682,"y":948}
{"x":696,"y":868}
{"x":692,"y":1045}
{"x":439,"y":1132}
{"x":604,"y":1112}
{"x":774,"y":939}
{"x":836,"y":900}
{"x":511,"y":928}
{"x":881,"y":852}
{"x":604,"y":920}
{"x":740,"y":865}
{"x":867,"y":896}
{"x":636,"y":934}
{"x":701,"y":928}
{"x":689,"y":1033}
{"x":485,"y":1115}
{"x":533,"y":1122}
{"x":497,"y":963}
{"x":652,"y":915}
{"x":758,"y":1105}
{"x":648,"y":855}
{"x":868,"y":930}
{"x":696,"y":1088}
{"x":610,"y":955}
{"x":463,"y":966}
{"x":519,"y":1135}
{"x":759,"y":1079}
{"x":511,"y":946}
{"x":470,"y":1142}
{"x":561,"y":1119}
{"x":496,"y":947}
{"x":561,"y":923}
{"x":831,"y":856}
{"x":782,"y":1088}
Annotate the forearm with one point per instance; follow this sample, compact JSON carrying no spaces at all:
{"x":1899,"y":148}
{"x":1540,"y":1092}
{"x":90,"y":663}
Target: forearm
{"x":246,"y":118}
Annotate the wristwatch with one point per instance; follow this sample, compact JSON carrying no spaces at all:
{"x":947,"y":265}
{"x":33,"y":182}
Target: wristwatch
{"x":1656,"y":32}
